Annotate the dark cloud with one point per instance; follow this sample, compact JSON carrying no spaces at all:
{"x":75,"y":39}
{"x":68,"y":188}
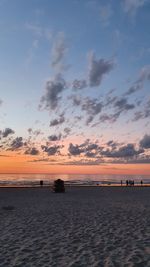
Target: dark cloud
{"x":30,"y":130}
{"x":139,"y":83}
{"x":54,"y":137}
{"x":87,"y":148}
{"x":34,"y":132}
{"x":17,"y":143}
{"x":144,"y":114}
{"x":97,"y":69}
{"x":123,"y":105}
{"x":54,"y":88}
{"x":58,"y":121}
{"x":110,"y":99}
{"x":138,"y":115}
{"x":109,"y":118}
{"x":112,"y":144}
{"x":106,"y":118}
{"x":120,"y":105}
{"x":91,"y":106}
{"x":134,"y":88}
{"x":7,"y":132}
{"x":67,"y":131}
{"x":75,"y":150}
{"x":145,"y":141}
{"x":51,"y":150}
{"x":126,"y":151}
{"x":32,"y":151}
{"x":79,"y":84}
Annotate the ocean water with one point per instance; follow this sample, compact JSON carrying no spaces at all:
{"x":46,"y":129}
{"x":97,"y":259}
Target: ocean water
{"x":71,"y":179}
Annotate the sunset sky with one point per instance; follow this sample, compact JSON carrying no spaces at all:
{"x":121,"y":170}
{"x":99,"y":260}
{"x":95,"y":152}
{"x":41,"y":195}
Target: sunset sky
{"x":74,"y":86}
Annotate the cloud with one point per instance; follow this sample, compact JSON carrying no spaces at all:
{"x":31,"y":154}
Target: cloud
{"x":51,"y":150}
{"x":1,"y":102}
{"x":105,"y":14}
{"x":32,"y":151}
{"x":79,"y":84}
{"x":123,"y":105}
{"x":98,"y":68}
{"x":58,"y":121}
{"x":144,"y":74}
{"x":75,"y":150}
{"x":34,"y":132}
{"x":54,"y":137}
{"x":126,"y":151}
{"x":131,"y":6}
{"x":17,"y":143}
{"x":112,"y":144}
{"x":144,"y":114}
{"x":54,"y":88}
{"x":119,"y":105}
{"x":67,"y":131}
{"x":76,"y":100}
{"x":87,"y":148}
{"x":109,"y":118}
{"x":134,"y":88}
{"x":91,"y":106}
{"x":135,"y":160}
{"x":59,"y":51}
{"x":7,"y":132}
{"x":83,"y":162}
{"x":145,"y":142}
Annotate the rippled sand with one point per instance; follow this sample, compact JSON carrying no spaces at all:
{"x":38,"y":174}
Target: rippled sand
{"x":84,"y":227}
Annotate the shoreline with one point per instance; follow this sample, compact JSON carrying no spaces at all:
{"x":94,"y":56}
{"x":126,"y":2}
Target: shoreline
{"x":74,"y":186}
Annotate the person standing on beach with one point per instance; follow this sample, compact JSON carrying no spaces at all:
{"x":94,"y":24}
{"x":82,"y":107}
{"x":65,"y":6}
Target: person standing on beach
{"x":121,"y":182}
{"x":141,"y":182}
{"x":127,"y":182}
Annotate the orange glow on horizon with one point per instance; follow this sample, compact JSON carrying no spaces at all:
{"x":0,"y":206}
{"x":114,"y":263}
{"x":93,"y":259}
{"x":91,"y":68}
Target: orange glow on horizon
{"x":24,"y":164}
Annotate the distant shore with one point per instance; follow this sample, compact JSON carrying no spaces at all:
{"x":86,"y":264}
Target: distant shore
{"x":74,"y":185}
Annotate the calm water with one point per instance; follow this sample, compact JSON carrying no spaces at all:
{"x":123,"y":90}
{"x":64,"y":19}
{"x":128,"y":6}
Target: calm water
{"x":84,"y":179}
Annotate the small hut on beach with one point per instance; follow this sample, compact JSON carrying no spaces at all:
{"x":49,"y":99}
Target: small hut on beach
{"x":59,"y":186}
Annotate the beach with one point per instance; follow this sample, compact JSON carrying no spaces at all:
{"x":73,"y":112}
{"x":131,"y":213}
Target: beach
{"x":86,"y":226}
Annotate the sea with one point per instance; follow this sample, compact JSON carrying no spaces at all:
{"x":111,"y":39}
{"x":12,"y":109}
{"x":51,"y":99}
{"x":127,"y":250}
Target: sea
{"x":33,"y":180}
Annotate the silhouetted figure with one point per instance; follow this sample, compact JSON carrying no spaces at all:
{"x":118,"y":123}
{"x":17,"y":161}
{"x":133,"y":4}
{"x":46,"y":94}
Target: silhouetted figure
{"x":121,"y":182}
{"x":41,"y":183}
{"x":131,"y":182}
{"x":59,"y":186}
{"x":141,"y":182}
{"x":127,"y":182}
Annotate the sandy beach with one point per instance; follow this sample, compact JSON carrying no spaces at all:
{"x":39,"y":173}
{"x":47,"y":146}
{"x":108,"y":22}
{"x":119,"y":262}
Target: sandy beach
{"x":86,"y":226}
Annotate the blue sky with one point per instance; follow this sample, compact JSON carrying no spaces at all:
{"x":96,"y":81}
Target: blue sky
{"x":83,"y":63}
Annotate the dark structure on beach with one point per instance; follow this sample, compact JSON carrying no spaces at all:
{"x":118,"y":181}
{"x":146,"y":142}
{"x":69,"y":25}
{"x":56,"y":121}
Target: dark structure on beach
{"x":59,"y":186}
{"x":41,"y":183}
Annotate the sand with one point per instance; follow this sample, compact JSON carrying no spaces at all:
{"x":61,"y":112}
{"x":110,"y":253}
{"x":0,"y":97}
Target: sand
{"x":92,"y":226}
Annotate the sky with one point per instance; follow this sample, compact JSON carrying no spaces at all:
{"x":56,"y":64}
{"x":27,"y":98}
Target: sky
{"x":74,"y":86}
